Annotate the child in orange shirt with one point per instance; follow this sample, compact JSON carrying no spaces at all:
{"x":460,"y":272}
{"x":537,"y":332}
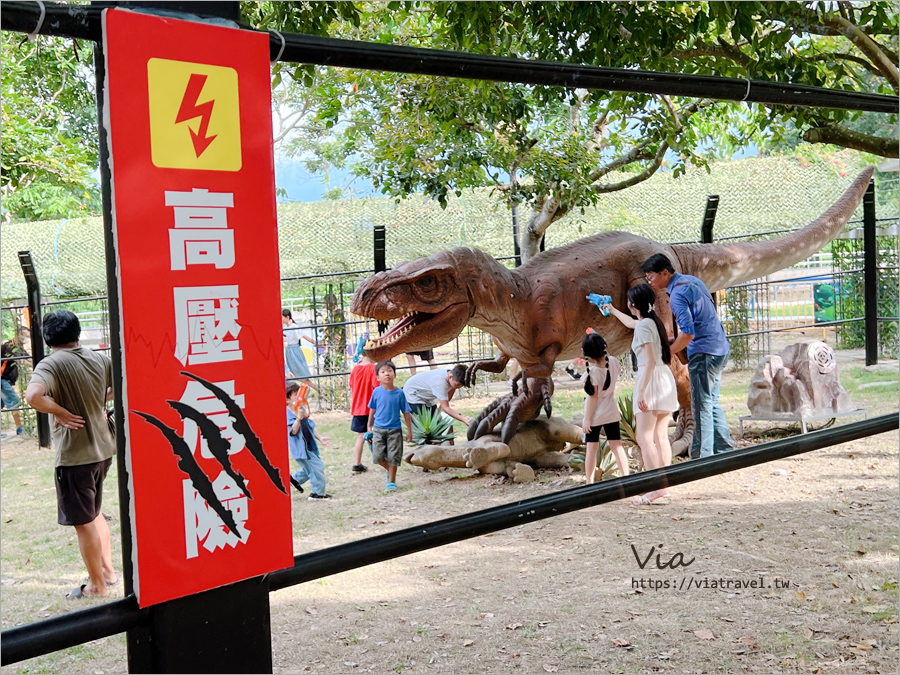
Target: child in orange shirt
{"x":362,"y":383}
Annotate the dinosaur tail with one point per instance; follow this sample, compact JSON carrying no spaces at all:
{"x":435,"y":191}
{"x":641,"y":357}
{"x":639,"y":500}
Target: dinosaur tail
{"x":723,"y":265}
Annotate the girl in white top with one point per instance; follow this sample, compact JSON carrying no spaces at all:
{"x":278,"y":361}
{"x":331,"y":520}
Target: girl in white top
{"x":600,"y":408}
{"x":655,"y":395}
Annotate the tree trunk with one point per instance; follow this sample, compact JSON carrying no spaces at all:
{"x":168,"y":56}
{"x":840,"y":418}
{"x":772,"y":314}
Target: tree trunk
{"x":845,"y":138}
{"x":543,"y":216}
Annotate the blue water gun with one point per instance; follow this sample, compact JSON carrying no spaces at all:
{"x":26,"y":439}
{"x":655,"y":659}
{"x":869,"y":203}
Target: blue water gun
{"x":602,"y":302}
{"x":359,"y":348}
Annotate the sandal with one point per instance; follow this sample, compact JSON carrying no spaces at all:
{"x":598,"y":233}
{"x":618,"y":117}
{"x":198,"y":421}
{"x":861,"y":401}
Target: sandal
{"x":76,"y":593}
{"x":641,"y":501}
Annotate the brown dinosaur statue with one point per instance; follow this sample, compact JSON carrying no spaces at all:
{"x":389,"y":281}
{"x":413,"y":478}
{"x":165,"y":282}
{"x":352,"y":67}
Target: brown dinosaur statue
{"x":537,"y":313}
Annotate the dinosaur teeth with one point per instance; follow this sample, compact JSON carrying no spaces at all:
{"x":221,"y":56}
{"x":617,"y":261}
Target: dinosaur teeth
{"x":370,"y":344}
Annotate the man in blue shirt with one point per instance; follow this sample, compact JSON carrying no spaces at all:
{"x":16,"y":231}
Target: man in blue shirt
{"x":707,"y":347}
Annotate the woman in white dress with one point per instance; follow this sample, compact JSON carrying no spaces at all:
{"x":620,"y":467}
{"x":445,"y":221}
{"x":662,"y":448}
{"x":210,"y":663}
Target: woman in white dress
{"x":655,"y":394}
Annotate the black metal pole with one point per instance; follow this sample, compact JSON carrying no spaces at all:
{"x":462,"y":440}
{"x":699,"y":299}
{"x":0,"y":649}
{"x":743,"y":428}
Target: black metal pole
{"x":379,"y":258}
{"x":709,"y":219}
{"x":138,"y":658}
{"x":870,"y":274}
{"x":430,"y":535}
{"x":517,"y":250}
{"x":67,"y":630}
{"x":33,"y":288}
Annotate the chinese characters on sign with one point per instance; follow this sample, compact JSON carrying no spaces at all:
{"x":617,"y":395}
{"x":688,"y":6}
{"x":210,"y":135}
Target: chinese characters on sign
{"x":187,"y":110}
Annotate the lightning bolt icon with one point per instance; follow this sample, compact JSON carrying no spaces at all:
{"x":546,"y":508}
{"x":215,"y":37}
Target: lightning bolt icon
{"x":189,"y":109}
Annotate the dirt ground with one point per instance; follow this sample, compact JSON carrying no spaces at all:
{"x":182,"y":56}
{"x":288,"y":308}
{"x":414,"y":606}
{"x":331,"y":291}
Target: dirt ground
{"x":818,"y":533}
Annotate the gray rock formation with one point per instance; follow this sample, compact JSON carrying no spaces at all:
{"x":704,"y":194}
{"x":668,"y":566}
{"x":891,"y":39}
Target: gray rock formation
{"x":801,"y":381}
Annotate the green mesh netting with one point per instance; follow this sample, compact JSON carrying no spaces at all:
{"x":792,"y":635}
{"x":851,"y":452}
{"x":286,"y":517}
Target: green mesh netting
{"x":756,"y":195}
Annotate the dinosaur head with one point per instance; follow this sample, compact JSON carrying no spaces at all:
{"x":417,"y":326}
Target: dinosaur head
{"x":425,"y":300}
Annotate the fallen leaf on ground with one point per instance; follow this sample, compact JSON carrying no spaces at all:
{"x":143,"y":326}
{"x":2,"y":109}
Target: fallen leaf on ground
{"x":468,"y":643}
{"x":312,"y":610}
{"x":749,"y":642}
{"x":621,"y":642}
{"x":513,"y":626}
{"x":550,"y":668}
{"x":705,"y":634}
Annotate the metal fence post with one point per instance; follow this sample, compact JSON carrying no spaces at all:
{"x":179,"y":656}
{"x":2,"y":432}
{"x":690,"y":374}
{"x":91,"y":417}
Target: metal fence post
{"x":33,"y":286}
{"x":226,"y":629}
{"x":379,"y":258}
{"x":870,"y":275}
{"x":709,"y":219}
{"x":517,"y":251}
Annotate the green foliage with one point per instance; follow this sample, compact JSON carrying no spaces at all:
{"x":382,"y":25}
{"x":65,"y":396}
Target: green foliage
{"x":606,"y":462}
{"x":628,"y":423}
{"x":850,"y":303}
{"x":49,"y":140}
{"x":888,"y":296}
{"x":410,"y":133}
{"x":431,"y":426}
{"x":737,"y":320}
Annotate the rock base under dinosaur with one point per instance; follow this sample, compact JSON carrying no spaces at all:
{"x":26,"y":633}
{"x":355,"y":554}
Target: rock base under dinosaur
{"x":536,"y":445}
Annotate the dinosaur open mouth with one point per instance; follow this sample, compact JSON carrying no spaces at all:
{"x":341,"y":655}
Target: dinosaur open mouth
{"x":400,"y":327}
{"x":403,"y":326}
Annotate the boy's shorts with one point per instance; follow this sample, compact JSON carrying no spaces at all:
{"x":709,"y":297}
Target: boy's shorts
{"x":612,"y":431}
{"x":387,"y":446}
{"x":359,"y":424}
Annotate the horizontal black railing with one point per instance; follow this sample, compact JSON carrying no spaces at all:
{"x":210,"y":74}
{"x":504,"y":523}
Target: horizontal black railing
{"x":43,"y":637}
{"x":84,"y":23}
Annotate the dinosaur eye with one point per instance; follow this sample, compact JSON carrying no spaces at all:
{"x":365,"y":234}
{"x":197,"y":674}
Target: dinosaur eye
{"x":426,"y":284}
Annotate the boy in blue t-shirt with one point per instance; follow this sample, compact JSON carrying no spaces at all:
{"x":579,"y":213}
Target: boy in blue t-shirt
{"x":384,"y":426}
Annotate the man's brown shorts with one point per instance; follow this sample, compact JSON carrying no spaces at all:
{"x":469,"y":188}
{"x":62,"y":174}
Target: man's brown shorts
{"x":79,"y":492}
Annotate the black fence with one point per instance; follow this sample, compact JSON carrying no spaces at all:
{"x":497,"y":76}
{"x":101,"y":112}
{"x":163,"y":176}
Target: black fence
{"x":754,"y":313}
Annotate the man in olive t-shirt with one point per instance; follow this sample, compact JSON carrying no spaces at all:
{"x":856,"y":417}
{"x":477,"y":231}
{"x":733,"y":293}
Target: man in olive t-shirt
{"x":73,"y":384}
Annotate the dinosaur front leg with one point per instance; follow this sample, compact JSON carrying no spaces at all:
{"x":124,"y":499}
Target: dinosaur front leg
{"x":543,"y":369}
{"x":493,"y":366}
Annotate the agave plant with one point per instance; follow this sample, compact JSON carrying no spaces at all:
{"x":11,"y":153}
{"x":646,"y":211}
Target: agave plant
{"x":431,"y":426}
{"x":606,"y":462}
{"x":628,"y":424}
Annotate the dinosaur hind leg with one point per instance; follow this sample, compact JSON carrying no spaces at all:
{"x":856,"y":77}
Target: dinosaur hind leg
{"x":487,"y":424}
{"x":524,"y":408}
{"x":546,"y":391}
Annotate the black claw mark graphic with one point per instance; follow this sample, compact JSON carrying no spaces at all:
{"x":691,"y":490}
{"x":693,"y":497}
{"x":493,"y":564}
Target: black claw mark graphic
{"x":242,"y":426}
{"x":217,"y":445}
{"x":188,"y":464}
